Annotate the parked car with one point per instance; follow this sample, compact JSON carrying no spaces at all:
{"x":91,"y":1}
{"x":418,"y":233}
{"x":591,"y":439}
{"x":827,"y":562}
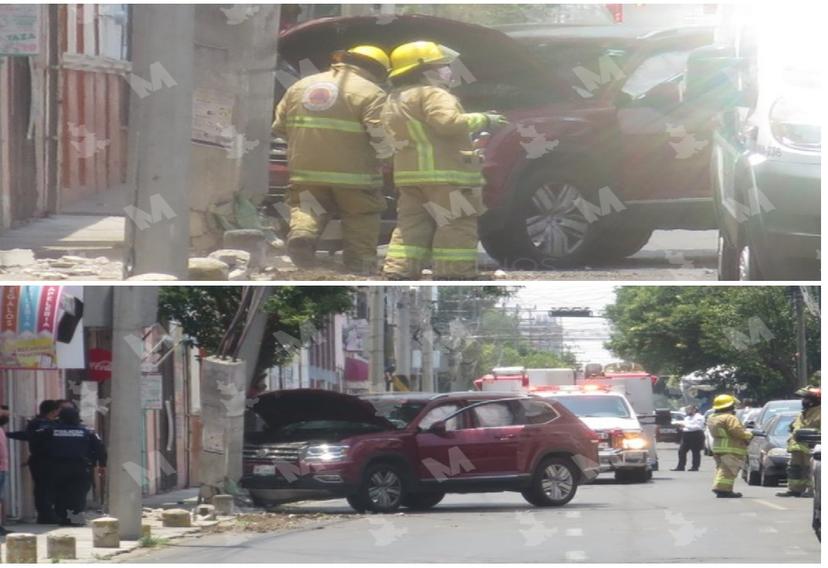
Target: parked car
{"x":771,"y":409}
{"x":671,"y":433}
{"x":382,"y":452}
{"x":624,"y":448}
{"x":767,"y":452}
{"x":596,"y":156}
{"x":766,"y":156}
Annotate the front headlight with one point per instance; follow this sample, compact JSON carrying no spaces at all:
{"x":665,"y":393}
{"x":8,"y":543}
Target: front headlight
{"x":778,"y":453}
{"x":795,"y":124}
{"x":636,"y":443}
{"x":325,"y":452}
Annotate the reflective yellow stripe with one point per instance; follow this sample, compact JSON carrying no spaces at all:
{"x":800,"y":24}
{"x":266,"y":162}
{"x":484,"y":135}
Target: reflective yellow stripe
{"x":310,"y":176}
{"x":454,"y":177}
{"x":425,"y":150}
{"x":457,"y":255}
{"x":326,"y":123}
{"x":407,"y":251}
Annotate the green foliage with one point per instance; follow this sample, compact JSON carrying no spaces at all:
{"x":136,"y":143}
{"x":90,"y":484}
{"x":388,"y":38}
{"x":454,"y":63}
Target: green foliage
{"x":678,"y":330}
{"x":205,"y":313}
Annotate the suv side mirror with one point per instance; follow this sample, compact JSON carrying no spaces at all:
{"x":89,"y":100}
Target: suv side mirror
{"x":438,"y":428}
{"x":750,"y":424}
{"x":759,"y":434}
{"x":711,"y":80}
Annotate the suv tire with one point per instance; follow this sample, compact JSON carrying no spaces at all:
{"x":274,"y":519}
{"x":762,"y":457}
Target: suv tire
{"x":422,"y":501}
{"x":753,"y":477}
{"x":549,"y":195}
{"x":553,"y":484}
{"x":382,"y":489}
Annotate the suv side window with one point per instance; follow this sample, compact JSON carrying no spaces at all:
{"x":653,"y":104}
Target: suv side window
{"x":655,"y":70}
{"x":536,"y":412}
{"x":494,"y":415}
{"x":440,"y":413}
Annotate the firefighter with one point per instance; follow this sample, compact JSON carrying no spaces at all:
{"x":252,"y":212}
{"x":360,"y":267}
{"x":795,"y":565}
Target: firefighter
{"x":799,"y":466}
{"x":333,"y":127}
{"x":730,"y":440}
{"x":436,"y":169}
{"x":73,"y":450}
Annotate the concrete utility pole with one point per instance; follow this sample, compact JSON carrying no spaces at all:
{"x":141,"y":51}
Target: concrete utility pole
{"x":135,"y":307}
{"x":427,"y":340}
{"x":376,"y":325}
{"x":801,"y":338}
{"x":403,"y":351}
{"x":157,"y":238}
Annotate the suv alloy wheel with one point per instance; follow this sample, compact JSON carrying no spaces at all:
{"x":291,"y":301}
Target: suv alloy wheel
{"x":554,"y":483}
{"x":382,"y":489}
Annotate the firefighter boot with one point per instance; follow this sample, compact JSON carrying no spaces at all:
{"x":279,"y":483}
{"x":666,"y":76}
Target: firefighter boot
{"x":727,"y":494}
{"x":789,"y":493}
{"x":301,"y":251}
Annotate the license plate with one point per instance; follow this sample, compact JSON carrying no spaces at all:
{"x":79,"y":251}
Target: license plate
{"x":264,"y":470}
{"x":669,"y":430}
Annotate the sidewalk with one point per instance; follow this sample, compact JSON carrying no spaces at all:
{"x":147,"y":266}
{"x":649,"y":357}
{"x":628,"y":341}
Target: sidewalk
{"x":153,"y":506}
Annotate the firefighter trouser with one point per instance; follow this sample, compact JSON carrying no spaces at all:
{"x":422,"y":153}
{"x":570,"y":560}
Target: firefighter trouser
{"x":360,"y":209}
{"x":799,"y":471}
{"x":437,"y":222}
{"x":727,"y":468}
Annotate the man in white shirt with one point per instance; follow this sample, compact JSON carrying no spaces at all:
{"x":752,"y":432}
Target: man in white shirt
{"x":692,"y":438}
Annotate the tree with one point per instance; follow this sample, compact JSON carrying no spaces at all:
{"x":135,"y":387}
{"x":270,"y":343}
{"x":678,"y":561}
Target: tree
{"x":748,"y":331}
{"x":294,"y":313}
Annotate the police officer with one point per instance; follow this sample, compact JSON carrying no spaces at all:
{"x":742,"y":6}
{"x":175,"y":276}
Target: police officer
{"x":335,"y":152}
{"x":73,"y":451}
{"x":39,"y":466}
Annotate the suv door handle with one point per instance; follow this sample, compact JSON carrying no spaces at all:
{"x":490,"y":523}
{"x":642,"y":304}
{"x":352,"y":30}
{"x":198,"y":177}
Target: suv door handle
{"x":505,"y":437}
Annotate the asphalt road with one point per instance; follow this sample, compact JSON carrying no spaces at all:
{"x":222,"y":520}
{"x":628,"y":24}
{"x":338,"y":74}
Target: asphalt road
{"x":673,"y":518}
{"x":669,"y":255}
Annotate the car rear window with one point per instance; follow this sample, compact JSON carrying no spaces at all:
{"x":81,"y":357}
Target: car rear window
{"x":782,"y":425}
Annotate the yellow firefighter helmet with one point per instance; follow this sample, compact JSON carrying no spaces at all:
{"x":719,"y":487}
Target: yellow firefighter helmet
{"x":724,"y":401}
{"x":411,"y":56}
{"x":369,"y":54}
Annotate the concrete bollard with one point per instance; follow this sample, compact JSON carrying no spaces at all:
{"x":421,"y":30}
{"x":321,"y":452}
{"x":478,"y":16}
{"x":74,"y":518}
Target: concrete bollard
{"x":223,"y":504}
{"x":206,"y":512}
{"x":21,"y":548}
{"x":61,"y":547}
{"x":176,"y":518}
{"x":146,"y":530}
{"x":250,"y":240}
{"x":106,"y":533}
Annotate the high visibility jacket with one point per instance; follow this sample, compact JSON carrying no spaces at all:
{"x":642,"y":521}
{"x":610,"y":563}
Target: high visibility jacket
{"x":430,"y":133}
{"x":807,"y":419}
{"x":332,"y":122}
{"x":729,"y":436}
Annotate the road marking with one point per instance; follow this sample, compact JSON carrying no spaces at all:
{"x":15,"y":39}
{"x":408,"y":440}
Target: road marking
{"x":750,"y":514}
{"x":575,"y":532}
{"x":575,"y":555}
{"x":573,"y":514}
{"x":771,"y":505}
{"x":768,"y":530}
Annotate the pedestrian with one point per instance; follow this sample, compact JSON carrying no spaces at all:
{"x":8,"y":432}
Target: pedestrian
{"x":74,"y":451}
{"x":437,"y":171}
{"x":4,"y":462}
{"x":39,"y":466}
{"x":692,"y":438}
{"x":334,"y":132}
{"x":730,"y":440}
{"x":799,"y":465}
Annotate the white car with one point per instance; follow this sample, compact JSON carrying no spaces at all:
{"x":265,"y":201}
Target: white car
{"x":625,"y":447}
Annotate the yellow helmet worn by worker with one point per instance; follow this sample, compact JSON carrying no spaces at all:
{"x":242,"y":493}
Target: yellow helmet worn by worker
{"x":372,"y":52}
{"x":724,"y":402}
{"x":414,"y":55}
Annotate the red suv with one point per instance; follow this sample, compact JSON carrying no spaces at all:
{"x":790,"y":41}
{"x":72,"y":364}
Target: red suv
{"x":382,"y":452}
{"x":598,"y":153}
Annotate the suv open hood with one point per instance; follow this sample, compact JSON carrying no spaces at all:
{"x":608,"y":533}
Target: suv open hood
{"x":486,"y":52}
{"x":280,"y":408}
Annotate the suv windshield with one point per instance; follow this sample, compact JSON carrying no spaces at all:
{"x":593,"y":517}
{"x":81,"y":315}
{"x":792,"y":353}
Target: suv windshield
{"x":399,"y":412}
{"x":595,"y":406}
{"x":587,"y":69}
